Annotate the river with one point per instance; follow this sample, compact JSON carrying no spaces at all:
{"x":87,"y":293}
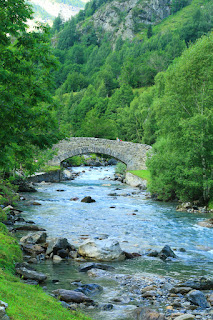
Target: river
{"x":125,"y":214}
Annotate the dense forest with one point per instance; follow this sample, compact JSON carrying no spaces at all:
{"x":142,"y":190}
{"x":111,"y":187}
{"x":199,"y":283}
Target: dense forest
{"x":155,"y":88}
{"x":80,"y":79}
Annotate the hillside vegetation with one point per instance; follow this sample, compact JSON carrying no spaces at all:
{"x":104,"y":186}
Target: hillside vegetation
{"x":111,"y":86}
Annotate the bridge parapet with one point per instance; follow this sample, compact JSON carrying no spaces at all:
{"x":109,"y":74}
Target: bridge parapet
{"x":132,"y":154}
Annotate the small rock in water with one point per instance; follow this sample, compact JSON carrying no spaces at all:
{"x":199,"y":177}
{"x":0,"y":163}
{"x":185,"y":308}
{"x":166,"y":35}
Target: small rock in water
{"x":74,"y":199}
{"x":107,"y":307}
{"x":88,"y":266}
{"x":153,"y":253}
{"x":56,"y":258}
{"x":131,"y":255}
{"x":88,"y":199}
{"x":35,"y":203}
{"x":89,"y":289}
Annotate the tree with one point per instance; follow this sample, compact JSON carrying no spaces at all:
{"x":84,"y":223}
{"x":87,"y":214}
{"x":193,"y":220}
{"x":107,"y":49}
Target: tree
{"x":182,"y":156}
{"x":149,"y":31}
{"x":26,"y":106}
{"x":97,"y":126}
{"x":177,"y":5}
{"x":57,"y":24}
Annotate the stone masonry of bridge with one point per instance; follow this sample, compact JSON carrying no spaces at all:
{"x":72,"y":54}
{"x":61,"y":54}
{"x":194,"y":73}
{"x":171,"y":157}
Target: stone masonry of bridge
{"x":132,"y":154}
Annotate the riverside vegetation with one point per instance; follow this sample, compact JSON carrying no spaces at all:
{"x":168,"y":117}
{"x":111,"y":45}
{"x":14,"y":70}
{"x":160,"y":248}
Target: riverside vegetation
{"x":81,"y":80}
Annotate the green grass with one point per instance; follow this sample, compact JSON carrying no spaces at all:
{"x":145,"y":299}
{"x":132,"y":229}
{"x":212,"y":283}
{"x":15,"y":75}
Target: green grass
{"x":27,"y":302}
{"x":10,"y":251}
{"x":143,"y":174}
{"x":173,"y":22}
{"x":50,"y":168}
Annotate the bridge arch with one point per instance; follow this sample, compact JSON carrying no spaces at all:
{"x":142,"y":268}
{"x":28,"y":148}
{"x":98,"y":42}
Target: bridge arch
{"x":132,"y":154}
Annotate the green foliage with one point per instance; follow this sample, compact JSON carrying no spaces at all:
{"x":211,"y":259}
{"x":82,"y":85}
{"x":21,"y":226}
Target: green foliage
{"x":210,"y":204}
{"x":10,"y":251}
{"x":120,"y":168}
{"x":137,"y":122}
{"x":149,"y":31}
{"x":76,"y":161}
{"x":8,"y":195}
{"x":181,"y":164}
{"x":25,"y":84}
{"x":3,"y":215}
{"x":199,"y":24}
{"x":177,"y":5}
{"x":131,"y":92}
{"x":57,"y":24}
{"x":75,"y":82}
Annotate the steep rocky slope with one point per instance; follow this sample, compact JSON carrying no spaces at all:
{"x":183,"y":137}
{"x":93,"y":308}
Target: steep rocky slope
{"x":126,"y":18}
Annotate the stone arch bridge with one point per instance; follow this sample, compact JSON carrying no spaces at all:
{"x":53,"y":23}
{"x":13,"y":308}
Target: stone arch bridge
{"x":132,"y":154}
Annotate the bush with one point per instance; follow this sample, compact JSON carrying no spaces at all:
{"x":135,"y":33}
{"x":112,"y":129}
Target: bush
{"x":8,"y":194}
{"x":3,"y":215}
{"x":120,"y":168}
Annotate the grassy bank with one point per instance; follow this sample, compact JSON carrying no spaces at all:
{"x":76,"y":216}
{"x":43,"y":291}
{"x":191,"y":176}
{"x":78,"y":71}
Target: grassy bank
{"x":143,"y":174}
{"x":26,"y":302}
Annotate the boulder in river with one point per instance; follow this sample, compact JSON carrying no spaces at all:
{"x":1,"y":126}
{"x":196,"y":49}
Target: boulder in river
{"x":206,"y":223}
{"x":166,"y":252}
{"x":32,"y":249}
{"x":198,"y":298}
{"x":58,"y":244}
{"x":71,"y":296}
{"x":102,"y":250}
{"x":88,"y":199}
{"x":24,"y":185}
{"x":39,"y":237}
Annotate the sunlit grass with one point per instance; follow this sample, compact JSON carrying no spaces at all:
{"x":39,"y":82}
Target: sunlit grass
{"x":27,"y":302}
{"x":143,"y":174}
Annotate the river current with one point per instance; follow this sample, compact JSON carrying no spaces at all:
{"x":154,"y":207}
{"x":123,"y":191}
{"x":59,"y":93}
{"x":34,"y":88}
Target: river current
{"x":122,"y":213}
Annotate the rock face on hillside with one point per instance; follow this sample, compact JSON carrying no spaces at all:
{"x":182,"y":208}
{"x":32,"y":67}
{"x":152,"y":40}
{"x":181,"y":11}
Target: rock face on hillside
{"x":127,"y":18}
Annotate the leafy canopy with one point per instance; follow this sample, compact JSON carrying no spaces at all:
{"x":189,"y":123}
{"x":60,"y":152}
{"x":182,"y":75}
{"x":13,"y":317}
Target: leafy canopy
{"x":27,"y":111}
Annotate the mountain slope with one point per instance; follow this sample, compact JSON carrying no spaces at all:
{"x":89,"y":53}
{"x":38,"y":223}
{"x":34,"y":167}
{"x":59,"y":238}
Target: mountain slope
{"x":126,"y":18}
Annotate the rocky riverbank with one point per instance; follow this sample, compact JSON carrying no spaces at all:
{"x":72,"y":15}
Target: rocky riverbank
{"x":139,"y":296}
